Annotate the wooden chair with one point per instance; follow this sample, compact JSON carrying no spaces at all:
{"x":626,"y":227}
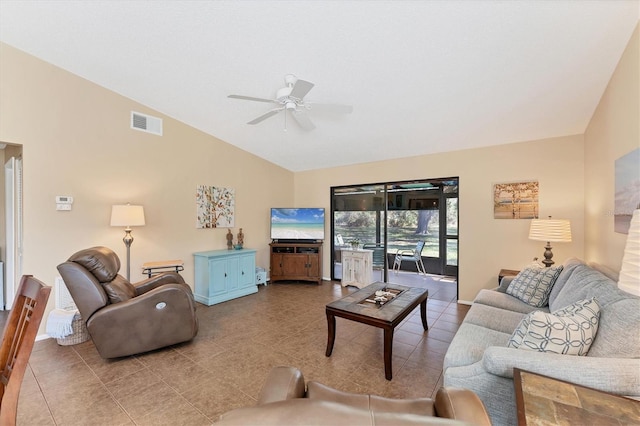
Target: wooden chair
{"x":17,"y":342}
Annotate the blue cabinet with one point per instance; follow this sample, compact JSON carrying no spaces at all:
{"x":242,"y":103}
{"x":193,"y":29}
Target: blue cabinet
{"x":222,"y":275}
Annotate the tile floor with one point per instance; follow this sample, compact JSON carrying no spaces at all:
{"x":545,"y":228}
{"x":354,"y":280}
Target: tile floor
{"x":225,"y":366}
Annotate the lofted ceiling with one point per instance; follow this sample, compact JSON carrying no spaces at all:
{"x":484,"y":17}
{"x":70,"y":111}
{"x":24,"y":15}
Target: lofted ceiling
{"x":422,"y":76}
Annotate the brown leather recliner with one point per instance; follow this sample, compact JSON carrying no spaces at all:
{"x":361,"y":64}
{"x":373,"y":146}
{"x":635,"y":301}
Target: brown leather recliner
{"x":285,"y":399}
{"x":124,"y":318}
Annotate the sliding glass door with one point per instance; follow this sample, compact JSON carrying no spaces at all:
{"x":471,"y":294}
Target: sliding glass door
{"x":450,"y":225}
{"x":358,"y":217}
{"x":393,"y":216}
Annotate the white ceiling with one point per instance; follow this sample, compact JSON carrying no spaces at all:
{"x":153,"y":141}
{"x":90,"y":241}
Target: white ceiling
{"x":422,"y":76}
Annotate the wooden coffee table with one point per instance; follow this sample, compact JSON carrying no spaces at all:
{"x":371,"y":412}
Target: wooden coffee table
{"x":359,"y":307}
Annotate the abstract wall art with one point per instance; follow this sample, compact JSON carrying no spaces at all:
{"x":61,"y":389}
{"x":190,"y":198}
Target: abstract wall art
{"x":215,"y":207}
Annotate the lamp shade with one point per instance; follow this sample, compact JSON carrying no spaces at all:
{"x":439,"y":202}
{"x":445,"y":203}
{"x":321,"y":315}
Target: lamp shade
{"x":127,"y":215}
{"x":558,"y":230}
{"x":629,"y":279}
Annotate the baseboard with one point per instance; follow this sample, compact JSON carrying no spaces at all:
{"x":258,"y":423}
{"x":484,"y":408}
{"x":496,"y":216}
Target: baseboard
{"x":465,"y":302}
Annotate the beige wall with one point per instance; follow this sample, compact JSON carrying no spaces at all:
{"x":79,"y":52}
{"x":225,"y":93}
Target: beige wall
{"x":486,"y":244}
{"x":614,"y":131}
{"x":77,"y":141}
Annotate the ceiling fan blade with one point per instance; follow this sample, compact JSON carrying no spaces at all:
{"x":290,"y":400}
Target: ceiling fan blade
{"x":265,"y":116}
{"x":334,"y":108}
{"x":303,"y":119}
{"x":300,"y":89}
{"x":251,"y":98}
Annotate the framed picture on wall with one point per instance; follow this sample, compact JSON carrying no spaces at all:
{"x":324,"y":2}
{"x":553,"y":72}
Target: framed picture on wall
{"x":215,"y":207}
{"x":627,"y":196}
{"x":516,"y":200}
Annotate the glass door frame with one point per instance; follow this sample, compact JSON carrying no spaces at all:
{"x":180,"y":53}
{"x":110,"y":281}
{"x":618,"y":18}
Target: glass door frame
{"x":380,"y":225}
{"x":445,"y":237}
{"x":437,"y":265}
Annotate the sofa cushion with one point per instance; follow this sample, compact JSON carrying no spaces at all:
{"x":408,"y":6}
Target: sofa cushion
{"x":533,"y":285}
{"x":569,"y":331}
{"x":497,"y":319}
{"x":568,"y":266}
{"x":618,"y":335}
{"x":119,"y":290}
{"x":469,"y":343}
{"x":504,"y":301}
{"x":584,"y":283}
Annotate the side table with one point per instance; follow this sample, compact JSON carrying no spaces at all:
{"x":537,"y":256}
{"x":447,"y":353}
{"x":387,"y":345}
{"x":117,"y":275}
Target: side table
{"x":357,"y":267}
{"x":543,"y":400}
{"x":151,"y":268}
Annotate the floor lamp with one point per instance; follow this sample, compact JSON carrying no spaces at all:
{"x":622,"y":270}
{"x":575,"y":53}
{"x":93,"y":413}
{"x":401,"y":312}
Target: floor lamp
{"x":127,"y":215}
{"x":556,"y":230}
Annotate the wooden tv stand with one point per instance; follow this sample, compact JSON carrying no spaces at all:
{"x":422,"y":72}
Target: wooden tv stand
{"x":296,"y":262}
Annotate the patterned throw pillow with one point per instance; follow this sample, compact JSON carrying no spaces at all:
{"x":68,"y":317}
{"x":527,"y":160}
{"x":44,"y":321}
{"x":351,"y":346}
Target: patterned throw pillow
{"x":533,"y":285}
{"x":518,"y":335}
{"x":569,"y":331}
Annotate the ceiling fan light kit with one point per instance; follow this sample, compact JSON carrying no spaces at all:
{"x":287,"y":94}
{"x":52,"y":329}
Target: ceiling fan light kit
{"x":291,"y":98}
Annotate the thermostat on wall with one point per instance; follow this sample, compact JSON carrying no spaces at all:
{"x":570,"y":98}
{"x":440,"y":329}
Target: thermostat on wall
{"x":63,"y":202}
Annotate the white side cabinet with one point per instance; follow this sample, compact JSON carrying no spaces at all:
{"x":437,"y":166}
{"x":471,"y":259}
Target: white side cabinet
{"x":222,"y":275}
{"x":357,"y":267}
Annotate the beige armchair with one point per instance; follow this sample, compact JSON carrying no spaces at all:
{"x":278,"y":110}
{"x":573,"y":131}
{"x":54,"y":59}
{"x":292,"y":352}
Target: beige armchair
{"x":124,"y":318}
{"x":286,"y":399}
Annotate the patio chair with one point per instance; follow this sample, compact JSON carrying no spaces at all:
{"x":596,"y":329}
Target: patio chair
{"x":338,"y":245}
{"x":378,"y":254}
{"x":414,"y":255}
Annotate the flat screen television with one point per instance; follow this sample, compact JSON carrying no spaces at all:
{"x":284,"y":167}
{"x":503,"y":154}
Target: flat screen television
{"x":297,"y":224}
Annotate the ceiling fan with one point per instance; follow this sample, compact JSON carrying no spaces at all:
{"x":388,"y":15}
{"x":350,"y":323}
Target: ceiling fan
{"x":291,"y":98}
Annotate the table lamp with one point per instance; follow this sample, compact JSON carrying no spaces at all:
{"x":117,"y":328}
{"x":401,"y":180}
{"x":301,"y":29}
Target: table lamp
{"x":629,"y":279}
{"x":556,"y":230}
{"x":127,"y":215}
